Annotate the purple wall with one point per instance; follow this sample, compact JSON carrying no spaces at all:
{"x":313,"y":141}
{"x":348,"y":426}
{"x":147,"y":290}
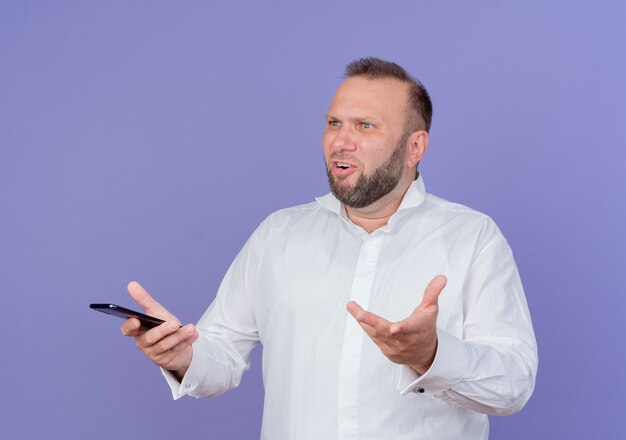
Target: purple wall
{"x":146,"y":140}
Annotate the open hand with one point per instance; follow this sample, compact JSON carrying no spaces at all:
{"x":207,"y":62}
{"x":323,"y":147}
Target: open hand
{"x":412,"y":341}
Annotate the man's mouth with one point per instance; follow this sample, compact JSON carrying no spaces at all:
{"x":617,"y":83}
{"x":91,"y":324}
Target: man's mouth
{"x":343,"y":168}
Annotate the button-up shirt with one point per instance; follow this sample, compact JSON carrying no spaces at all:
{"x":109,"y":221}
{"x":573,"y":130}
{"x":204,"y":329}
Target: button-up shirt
{"x":324,"y":377}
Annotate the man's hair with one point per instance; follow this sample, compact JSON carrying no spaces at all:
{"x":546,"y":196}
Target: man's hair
{"x":419,"y":100}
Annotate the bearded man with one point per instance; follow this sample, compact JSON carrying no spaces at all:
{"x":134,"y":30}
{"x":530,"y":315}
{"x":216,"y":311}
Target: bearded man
{"x":346,"y":294}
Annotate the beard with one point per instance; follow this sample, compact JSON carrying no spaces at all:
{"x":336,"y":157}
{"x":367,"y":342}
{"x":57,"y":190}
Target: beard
{"x":370,"y":188}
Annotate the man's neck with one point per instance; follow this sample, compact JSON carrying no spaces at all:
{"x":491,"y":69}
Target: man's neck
{"x":377,"y":214}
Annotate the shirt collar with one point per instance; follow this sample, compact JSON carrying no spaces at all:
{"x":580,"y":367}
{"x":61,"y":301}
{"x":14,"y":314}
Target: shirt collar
{"x":413,"y":197}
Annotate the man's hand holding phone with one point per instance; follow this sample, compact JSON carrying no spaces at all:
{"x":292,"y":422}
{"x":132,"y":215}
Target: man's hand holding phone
{"x":169,"y":344}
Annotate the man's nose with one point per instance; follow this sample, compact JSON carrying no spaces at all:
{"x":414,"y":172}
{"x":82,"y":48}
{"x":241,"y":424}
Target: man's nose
{"x":344,"y":139}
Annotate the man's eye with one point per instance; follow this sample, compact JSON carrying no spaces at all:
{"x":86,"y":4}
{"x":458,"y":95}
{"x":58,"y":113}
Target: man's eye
{"x":367,"y":125}
{"x":334,"y":123}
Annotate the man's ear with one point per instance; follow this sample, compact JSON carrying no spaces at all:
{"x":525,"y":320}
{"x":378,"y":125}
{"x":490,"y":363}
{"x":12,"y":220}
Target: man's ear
{"x":417,"y":143}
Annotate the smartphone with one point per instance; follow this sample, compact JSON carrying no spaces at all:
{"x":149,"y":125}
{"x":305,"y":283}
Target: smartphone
{"x":124,"y":313}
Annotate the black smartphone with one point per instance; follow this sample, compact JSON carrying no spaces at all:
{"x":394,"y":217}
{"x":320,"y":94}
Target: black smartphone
{"x":147,"y":321}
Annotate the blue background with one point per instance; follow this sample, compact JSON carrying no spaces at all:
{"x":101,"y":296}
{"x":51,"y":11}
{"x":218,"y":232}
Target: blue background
{"x":147,"y":139}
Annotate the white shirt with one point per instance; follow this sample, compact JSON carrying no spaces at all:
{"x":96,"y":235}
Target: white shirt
{"x":324,"y":378}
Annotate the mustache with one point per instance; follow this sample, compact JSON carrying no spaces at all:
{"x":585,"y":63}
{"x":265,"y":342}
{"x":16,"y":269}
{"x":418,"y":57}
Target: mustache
{"x":338,"y":157}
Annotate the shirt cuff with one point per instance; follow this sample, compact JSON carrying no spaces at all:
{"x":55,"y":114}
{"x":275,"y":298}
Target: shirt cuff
{"x":192,"y":378}
{"x":451,"y":362}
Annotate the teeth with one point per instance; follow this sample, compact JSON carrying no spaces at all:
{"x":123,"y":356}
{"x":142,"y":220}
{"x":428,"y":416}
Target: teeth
{"x":343,"y":165}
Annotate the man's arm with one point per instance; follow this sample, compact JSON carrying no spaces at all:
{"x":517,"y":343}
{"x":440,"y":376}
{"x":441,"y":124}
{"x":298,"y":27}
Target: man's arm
{"x":227,"y":333}
{"x":492,"y":368}
{"x":209,"y":358}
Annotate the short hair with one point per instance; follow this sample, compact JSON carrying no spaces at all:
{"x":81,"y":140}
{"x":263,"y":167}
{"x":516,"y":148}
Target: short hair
{"x":419,"y":100}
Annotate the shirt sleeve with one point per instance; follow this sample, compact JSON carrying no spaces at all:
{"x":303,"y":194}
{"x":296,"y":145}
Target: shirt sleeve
{"x":227,"y":333}
{"x":492,"y":368}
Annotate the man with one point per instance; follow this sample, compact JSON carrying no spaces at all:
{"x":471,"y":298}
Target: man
{"x":426,"y":365}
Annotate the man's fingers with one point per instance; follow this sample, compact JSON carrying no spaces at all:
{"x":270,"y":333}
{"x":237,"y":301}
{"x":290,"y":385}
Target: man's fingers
{"x":399,"y":327}
{"x":173,"y":340}
{"x":143,"y":298}
{"x":429,"y":304}
{"x":156,"y":334}
{"x":131,"y":327}
{"x":185,"y":343}
{"x":432,"y":292}
{"x":367,"y":318}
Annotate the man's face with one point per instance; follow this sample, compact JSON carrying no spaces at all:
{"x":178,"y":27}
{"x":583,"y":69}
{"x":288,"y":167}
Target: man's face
{"x":364,"y":142}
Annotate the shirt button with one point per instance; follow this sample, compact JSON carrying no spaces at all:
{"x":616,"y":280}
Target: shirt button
{"x":187,"y":385}
{"x":418,"y":389}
